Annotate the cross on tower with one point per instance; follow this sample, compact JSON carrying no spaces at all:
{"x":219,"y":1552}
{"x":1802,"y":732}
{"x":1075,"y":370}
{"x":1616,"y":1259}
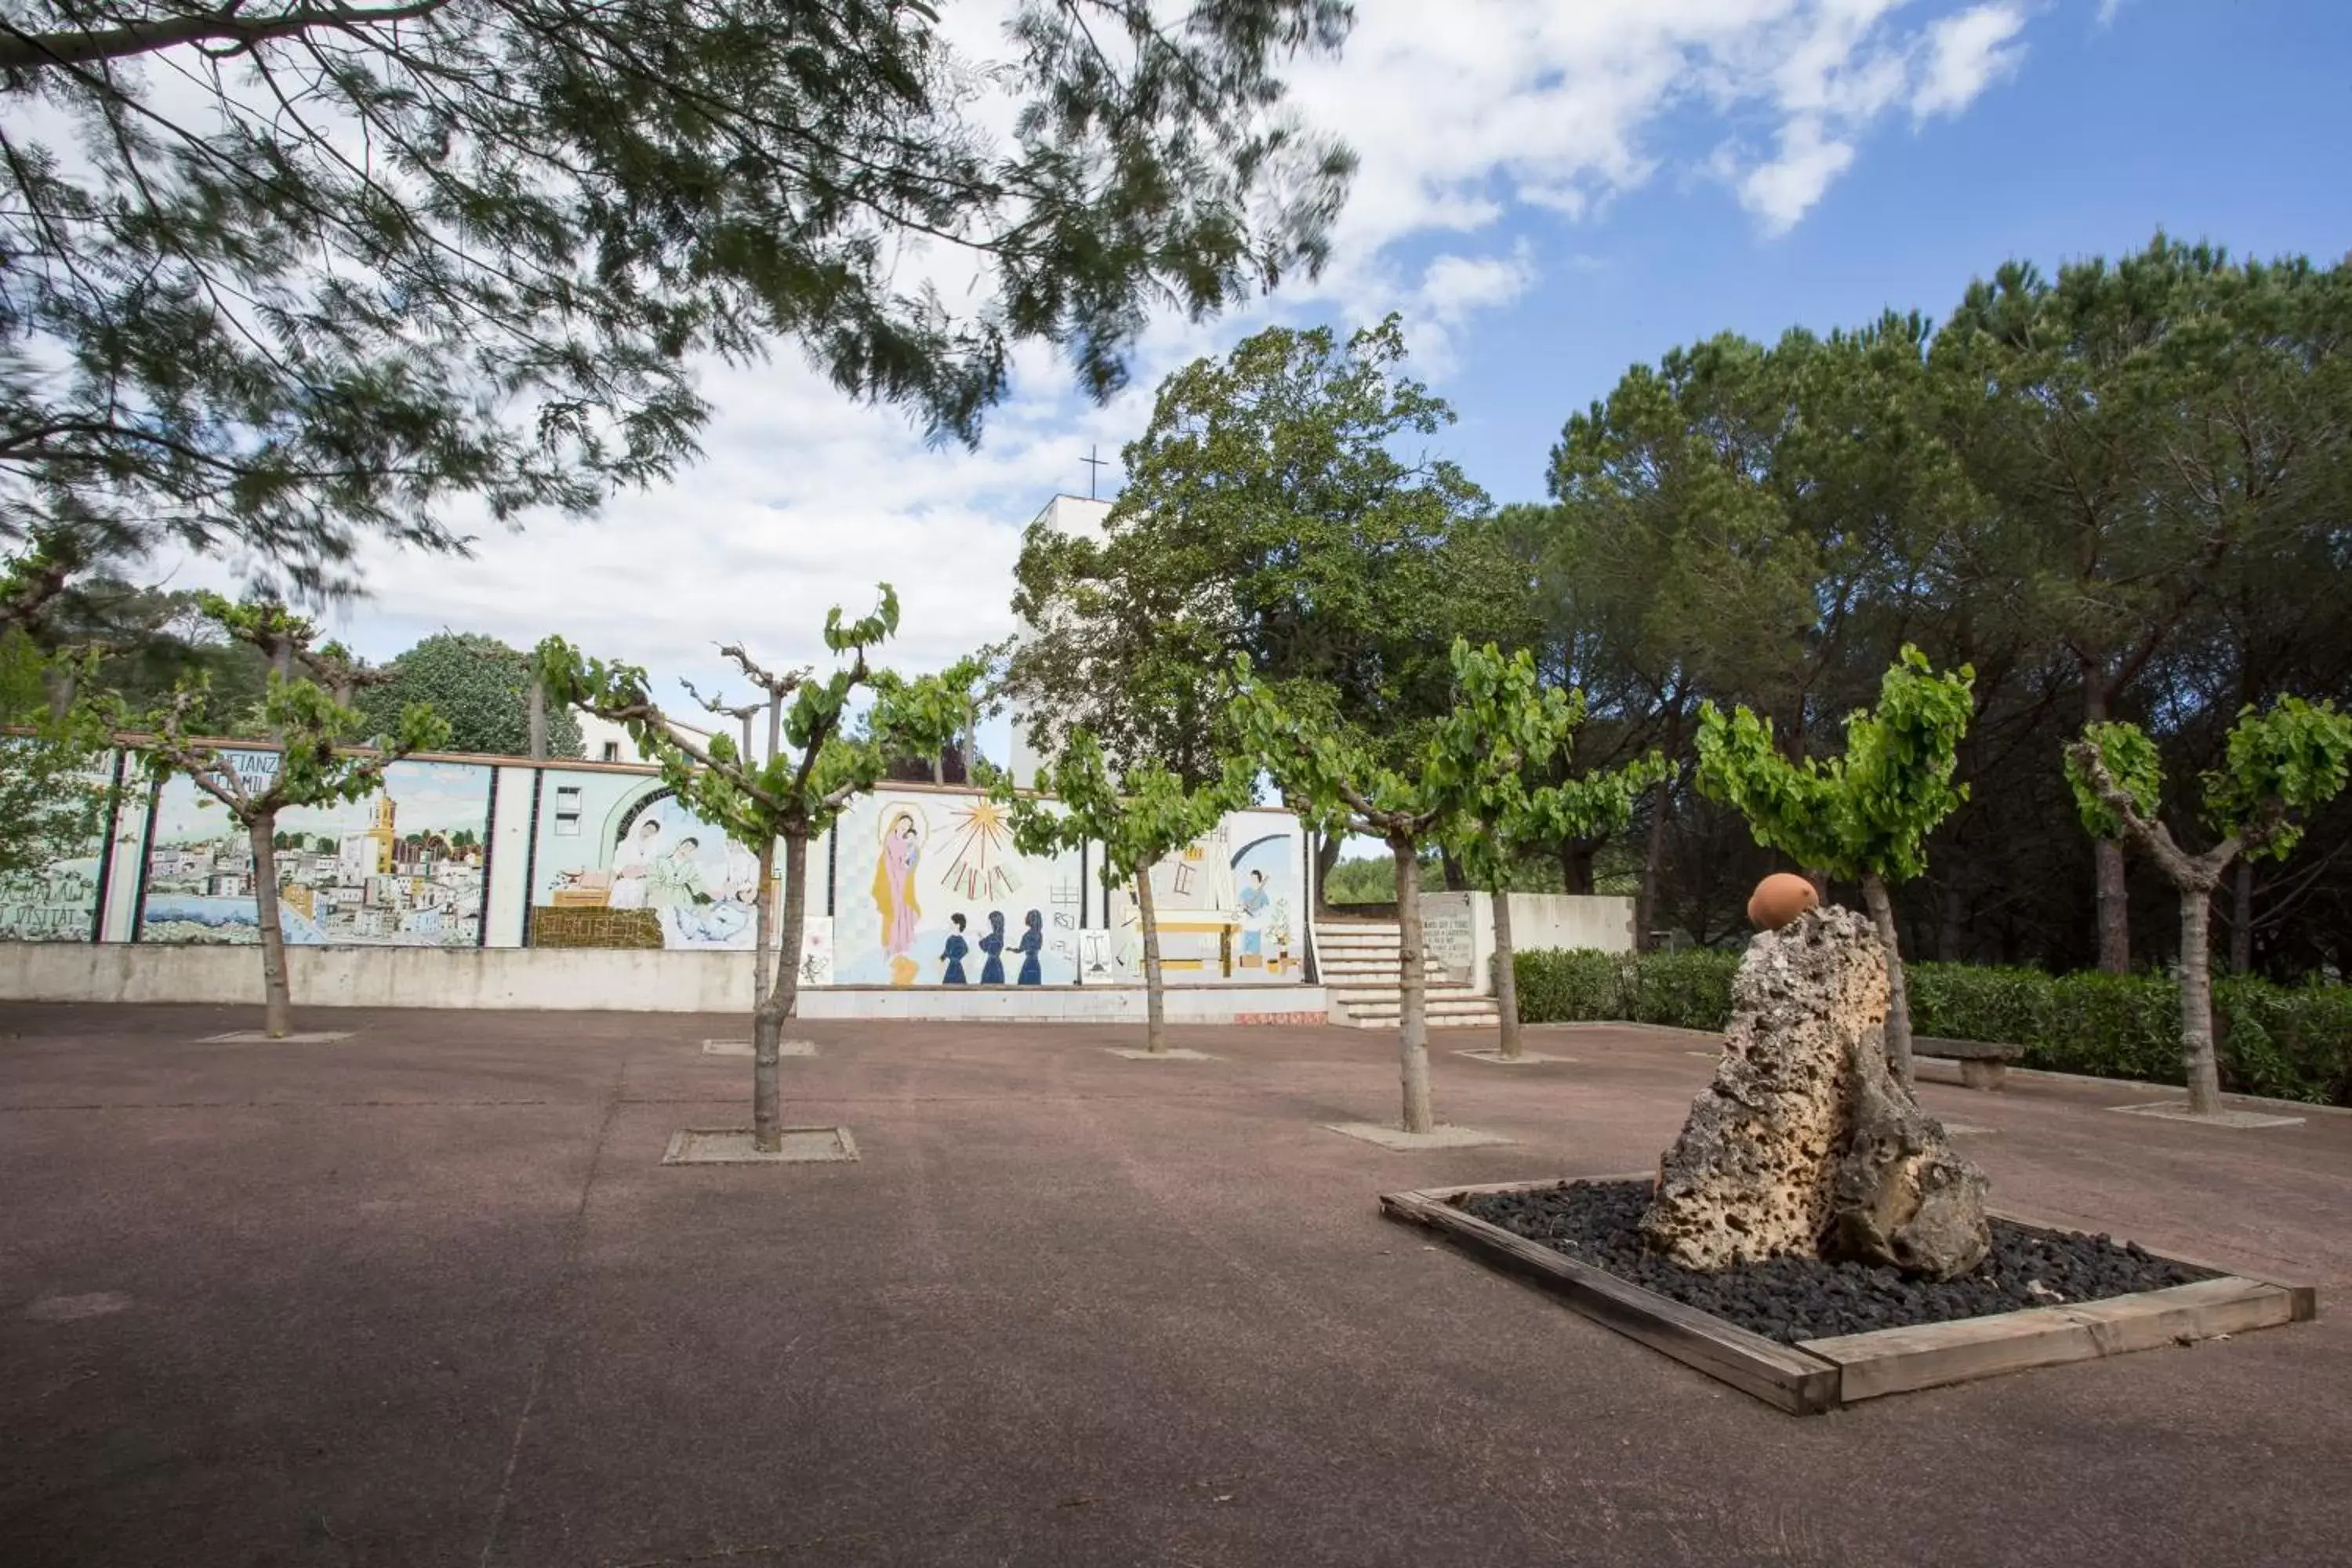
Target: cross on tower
{"x":1094,"y":466}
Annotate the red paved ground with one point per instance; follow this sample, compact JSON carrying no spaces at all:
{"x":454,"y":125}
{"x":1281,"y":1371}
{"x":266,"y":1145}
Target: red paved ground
{"x":426,"y":1297}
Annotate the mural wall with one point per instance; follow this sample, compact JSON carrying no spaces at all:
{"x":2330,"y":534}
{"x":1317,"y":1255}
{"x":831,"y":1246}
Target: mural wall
{"x":1229,"y":907}
{"x":56,"y":901}
{"x":618,"y":862}
{"x":930,"y":890}
{"x":926,"y":888}
{"x":402,"y":868}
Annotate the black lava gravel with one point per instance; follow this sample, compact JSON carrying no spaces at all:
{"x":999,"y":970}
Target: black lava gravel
{"x":1792,"y":1298}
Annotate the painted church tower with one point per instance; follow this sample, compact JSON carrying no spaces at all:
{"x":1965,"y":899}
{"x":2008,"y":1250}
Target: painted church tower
{"x":380,"y":836}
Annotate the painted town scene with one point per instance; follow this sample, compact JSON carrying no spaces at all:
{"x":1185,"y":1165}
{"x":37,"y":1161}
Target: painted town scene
{"x":404,"y":868}
{"x":1193,"y":783}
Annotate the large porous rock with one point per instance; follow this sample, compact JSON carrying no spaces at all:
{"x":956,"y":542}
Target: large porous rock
{"x":1899,"y":1195}
{"x":1804,"y":1144}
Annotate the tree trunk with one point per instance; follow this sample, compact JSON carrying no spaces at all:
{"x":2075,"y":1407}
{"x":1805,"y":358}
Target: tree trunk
{"x":64,"y":681}
{"x":2114,"y":888}
{"x":1952,"y":930}
{"x":1327,"y":855}
{"x":2242,"y":919}
{"x":791,"y":931}
{"x":1898,"y":1003}
{"x":783,"y":995}
{"x":281,"y":665}
{"x":2197,"y":1060}
{"x":1507,"y":979}
{"x":537,"y":720}
{"x":2114,"y":907}
{"x":1576,"y":866}
{"x":278,"y":998}
{"x":1653,"y":865}
{"x":1155,"y":992}
{"x":1457,"y":878}
{"x":1412,"y":1015}
{"x":767,"y":1018}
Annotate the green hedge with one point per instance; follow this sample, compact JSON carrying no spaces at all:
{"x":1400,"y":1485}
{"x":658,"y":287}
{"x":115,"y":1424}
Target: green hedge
{"x":2290,"y":1042}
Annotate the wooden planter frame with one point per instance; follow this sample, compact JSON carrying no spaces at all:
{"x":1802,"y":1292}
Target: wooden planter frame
{"x":1813,"y":1375}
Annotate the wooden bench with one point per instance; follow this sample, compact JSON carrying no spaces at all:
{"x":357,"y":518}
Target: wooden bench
{"x":1984,"y":1063}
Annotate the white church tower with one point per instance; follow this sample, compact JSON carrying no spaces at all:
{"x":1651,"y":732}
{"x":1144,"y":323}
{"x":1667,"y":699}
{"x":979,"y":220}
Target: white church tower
{"x":1083,"y":517}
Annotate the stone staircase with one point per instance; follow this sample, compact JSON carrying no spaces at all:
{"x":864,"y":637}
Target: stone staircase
{"x":1356,"y":961}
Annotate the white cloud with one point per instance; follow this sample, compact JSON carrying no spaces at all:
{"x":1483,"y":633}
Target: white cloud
{"x":2109,"y":10}
{"x":1784,"y":190}
{"x":1454,"y":286}
{"x":1466,"y":116}
{"x":1966,"y":53}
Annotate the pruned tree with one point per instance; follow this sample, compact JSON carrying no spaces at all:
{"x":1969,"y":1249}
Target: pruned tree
{"x":315,"y":765}
{"x":816,"y":762}
{"x":1140,"y":816}
{"x":1864,"y":815}
{"x":1510,"y":817}
{"x":317,"y":271}
{"x":1503,"y":719}
{"x":2282,"y":766}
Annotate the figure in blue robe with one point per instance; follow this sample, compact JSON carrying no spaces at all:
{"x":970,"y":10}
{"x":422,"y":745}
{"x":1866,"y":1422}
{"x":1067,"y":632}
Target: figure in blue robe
{"x":954,"y":954}
{"x":1033,"y":943}
{"x":992,"y":972}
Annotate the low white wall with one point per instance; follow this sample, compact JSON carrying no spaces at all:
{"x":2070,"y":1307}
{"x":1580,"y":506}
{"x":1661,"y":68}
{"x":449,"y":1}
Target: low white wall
{"x":1458,"y":929}
{"x":1223,"y":1003}
{"x":589,"y":979}
{"x":1541,"y":920}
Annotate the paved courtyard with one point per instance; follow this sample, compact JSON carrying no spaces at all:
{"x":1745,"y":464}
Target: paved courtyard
{"x":425,"y":1296}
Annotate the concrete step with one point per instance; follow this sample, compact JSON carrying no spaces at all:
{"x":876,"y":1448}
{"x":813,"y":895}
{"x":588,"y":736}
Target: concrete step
{"x":1390,"y":1019}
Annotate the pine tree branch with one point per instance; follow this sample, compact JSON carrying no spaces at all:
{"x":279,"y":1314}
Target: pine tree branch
{"x":21,"y":50}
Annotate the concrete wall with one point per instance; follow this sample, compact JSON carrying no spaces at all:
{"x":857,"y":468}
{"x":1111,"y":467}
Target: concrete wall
{"x":649,"y":981}
{"x":1458,"y":929}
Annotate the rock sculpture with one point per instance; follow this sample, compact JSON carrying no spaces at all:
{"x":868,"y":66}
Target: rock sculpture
{"x":1805,"y":1144}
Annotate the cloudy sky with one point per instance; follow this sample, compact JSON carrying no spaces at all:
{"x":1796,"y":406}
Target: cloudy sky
{"x":1550,"y":190}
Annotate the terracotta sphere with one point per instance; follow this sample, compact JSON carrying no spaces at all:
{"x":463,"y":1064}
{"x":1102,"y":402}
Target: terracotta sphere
{"x":1779,"y":898}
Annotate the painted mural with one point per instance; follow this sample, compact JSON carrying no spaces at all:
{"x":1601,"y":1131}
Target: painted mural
{"x":931,"y":890}
{"x":402,"y":868}
{"x":1228,"y":907}
{"x":619,"y":862}
{"x":56,"y":900}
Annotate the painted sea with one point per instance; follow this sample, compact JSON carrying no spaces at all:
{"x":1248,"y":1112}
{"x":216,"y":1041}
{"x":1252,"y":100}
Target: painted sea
{"x":182,"y":916}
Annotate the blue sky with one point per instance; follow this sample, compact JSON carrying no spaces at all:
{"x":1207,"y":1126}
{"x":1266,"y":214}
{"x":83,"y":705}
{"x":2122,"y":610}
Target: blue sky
{"x":1550,"y":190}
{"x":2221,"y":119}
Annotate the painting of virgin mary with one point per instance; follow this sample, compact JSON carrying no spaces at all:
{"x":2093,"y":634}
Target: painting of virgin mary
{"x":894,"y":892}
